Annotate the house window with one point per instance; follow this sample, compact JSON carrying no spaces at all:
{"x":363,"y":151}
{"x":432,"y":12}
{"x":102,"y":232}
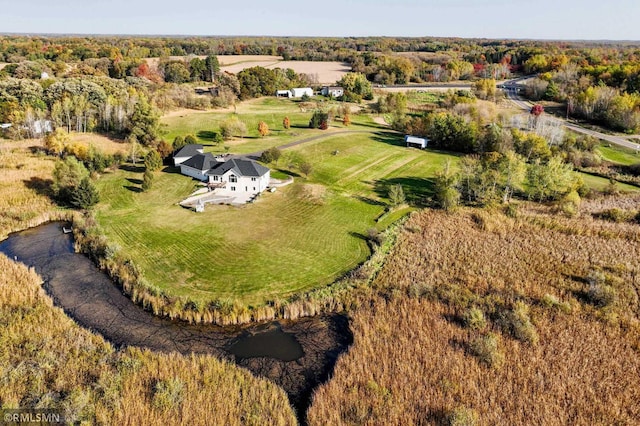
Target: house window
{"x":246,"y":189}
{"x":233,"y":179}
{"x":215,"y":178}
{"x":253,"y":179}
{"x":254,"y":188}
{"x":233,"y":188}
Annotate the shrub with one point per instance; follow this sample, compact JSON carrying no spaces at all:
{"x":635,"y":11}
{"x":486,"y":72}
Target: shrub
{"x":168,"y":394}
{"x":517,"y":323}
{"x":319,"y":119}
{"x":570,"y":204}
{"x":601,"y":295}
{"x":485,"y":348}
{"x":474,"y":319}
{"x":511,"y":210}
{"x":551,"y":301}
{"x":178,"y":143}
{"x":615,"y":215}
{"x":374,"y":236}
{"x":462,"y":416}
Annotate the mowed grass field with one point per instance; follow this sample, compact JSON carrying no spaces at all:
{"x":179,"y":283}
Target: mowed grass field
{"x":270,"y":110}
{"x":302,"y":236}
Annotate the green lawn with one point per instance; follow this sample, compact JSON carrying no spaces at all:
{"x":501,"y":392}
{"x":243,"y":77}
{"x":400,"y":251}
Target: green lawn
{"x":618,"y":155}
{"x":300,"y":237}
{"x":270,"y":110}
{"x":599,"y":183}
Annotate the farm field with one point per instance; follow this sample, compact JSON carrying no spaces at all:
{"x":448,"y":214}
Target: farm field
{"x":327,"y":72}
{"x":269,"y":249}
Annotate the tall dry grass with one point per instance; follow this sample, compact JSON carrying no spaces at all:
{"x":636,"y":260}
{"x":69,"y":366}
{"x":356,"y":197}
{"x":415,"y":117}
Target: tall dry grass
{"x":47,"y":361}
{"x":541,"y":352}
{"x":24,"y":183}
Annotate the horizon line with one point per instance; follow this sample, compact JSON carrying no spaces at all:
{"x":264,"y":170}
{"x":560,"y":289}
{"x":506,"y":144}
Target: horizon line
{"x":158,"y":35}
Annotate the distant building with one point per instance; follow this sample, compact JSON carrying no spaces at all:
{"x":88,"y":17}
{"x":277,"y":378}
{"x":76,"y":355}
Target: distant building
{"x":213,"y":91}
{"x":416,"y":142}
{"x":283,"y":94}
{"x":40,"y":127}
{"x":299,"y":92}
{"x":333,"y":91}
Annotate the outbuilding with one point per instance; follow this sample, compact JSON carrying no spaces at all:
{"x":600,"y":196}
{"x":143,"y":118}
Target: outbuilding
{"x":299,"y":92}
{"x":416,"y":142}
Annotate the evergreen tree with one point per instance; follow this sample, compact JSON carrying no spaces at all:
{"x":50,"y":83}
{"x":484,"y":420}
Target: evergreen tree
{"x":85,"y":195}
{"x":152,"y":160}
{"x":147,"y":180}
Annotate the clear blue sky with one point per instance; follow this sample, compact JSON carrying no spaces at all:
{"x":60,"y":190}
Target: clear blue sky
{"x":541,"y":19}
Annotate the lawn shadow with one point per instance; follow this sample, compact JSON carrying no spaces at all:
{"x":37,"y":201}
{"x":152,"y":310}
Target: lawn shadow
{"x":288,"y":172}
{"x":208,"y":135}
{"x":390,"y":138}
{"x":417,"y":190}
{"x":41,"y":186}
{"x":35,"y":149}
{"x":133,"y":188}
{"x":369,"y":201}
{"x":131,"y":168}
{"x":135,"y":181}
{"x":359,"y":236}
{"x":171,"y":170}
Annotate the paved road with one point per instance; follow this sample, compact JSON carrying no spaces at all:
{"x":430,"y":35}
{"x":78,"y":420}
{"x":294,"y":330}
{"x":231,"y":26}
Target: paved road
{"x":511,"y":88}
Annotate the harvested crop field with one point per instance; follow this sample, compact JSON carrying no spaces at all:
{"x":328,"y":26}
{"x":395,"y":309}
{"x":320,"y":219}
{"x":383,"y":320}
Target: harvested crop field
{"x":324,"y":72}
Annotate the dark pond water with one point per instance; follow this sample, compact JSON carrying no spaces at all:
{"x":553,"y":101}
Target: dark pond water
{"x":297,"y":355}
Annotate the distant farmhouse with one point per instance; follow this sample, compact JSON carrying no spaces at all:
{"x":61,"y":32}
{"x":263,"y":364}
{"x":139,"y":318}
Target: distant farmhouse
{"x":296,"y":92}
{"x":232,"y":177}
{"x":333,"y":91}
{"x":416,"y":142}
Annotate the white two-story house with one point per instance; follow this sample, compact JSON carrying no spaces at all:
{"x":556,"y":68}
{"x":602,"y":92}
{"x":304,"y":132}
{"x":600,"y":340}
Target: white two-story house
{"x":239,"y":176}
{"x":236,"y":176}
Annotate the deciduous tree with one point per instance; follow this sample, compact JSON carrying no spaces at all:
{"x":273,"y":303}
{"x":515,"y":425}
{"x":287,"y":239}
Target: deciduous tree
{"x":263,"y":128}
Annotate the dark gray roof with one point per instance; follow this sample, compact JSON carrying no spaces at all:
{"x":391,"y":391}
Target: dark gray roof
{"x":189,"y":150}
{"x":201,"y":161}
{"x":240,"y":167}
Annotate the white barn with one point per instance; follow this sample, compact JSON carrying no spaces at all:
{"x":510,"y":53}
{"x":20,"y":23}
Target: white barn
{"x":416,"y":142}
{"x":283,"y":93}
{"x":187,"y":152}
{"x":299,"y":92}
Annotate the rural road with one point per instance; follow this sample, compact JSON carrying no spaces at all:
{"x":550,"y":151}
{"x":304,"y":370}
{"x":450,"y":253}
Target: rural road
{"x":512,"y":87}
